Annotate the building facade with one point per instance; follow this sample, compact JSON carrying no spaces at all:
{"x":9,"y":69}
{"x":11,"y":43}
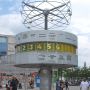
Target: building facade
{"x":7,"y":45}
{"x":3,"y":45}
{"x":7,"y":48}
{"x":7,"y":55}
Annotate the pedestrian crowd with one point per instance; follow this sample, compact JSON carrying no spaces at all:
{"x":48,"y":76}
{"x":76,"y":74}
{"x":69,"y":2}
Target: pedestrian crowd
{"x":12,"y":83}
{"x":60,"y":85}
{"x":84,"y":85}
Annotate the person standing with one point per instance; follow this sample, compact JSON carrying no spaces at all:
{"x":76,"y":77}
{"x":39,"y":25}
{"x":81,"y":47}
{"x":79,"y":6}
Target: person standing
{"x":84,"y":85}
{"x":14,"y":83}
{"x":89,"y":83}
{"x":58,"y":85}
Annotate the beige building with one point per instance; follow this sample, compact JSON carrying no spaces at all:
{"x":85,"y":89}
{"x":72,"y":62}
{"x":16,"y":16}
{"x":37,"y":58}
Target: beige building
{"x":7,"y":44}
{"x":11,"y":45}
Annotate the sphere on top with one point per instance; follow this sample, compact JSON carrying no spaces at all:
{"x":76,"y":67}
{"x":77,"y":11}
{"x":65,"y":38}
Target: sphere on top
{"x":46,"y":14}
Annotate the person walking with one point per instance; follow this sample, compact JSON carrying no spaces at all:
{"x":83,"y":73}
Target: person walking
{"x":8,"y":84}
{"x":31,"y":83}
{"x":7,"y":87}
{"x":62,"y":85}
{"x":66,"y":85}
{"x":14,"y":83}
{"x":84,"y":85}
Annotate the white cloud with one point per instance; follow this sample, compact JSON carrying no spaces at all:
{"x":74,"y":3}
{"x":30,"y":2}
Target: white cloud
{"x":80,"y":25}
{"x":80,"y":1}
{"x":11,"y":23}
{"x":83,"y":50}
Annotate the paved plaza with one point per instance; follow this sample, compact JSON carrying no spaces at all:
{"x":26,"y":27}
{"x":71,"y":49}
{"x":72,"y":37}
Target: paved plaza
{"x":70,"y":88}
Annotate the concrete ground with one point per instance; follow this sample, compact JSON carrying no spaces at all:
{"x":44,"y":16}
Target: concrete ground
{"x":70,"y":88}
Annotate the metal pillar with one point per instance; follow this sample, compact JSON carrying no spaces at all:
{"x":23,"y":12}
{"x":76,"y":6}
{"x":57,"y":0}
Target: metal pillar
{"x":45,"y":78}
{"x":46,"y":22}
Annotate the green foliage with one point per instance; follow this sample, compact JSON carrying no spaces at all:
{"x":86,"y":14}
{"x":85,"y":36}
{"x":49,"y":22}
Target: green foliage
{"x":74,"y":72}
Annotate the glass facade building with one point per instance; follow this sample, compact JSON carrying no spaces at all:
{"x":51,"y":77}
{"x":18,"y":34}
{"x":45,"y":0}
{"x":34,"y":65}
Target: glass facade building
{"x":3,"y":45}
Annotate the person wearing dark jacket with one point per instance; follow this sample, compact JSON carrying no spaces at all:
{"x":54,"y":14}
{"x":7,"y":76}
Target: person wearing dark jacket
{"x":14,"y":83}
{"x":58,"y":85}
{"x":66,"y":85}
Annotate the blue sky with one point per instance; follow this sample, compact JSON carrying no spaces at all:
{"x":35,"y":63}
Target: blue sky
{"x":9,"y":6}
{"x":11,"y":23}
{"x":5,"y":6}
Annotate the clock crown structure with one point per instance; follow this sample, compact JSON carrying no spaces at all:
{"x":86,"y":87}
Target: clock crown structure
{"x":45,"y":44}
{"x":46,"y":14}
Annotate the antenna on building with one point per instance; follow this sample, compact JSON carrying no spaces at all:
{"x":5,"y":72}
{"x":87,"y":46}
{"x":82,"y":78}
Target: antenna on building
{"x":85,"y":65}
